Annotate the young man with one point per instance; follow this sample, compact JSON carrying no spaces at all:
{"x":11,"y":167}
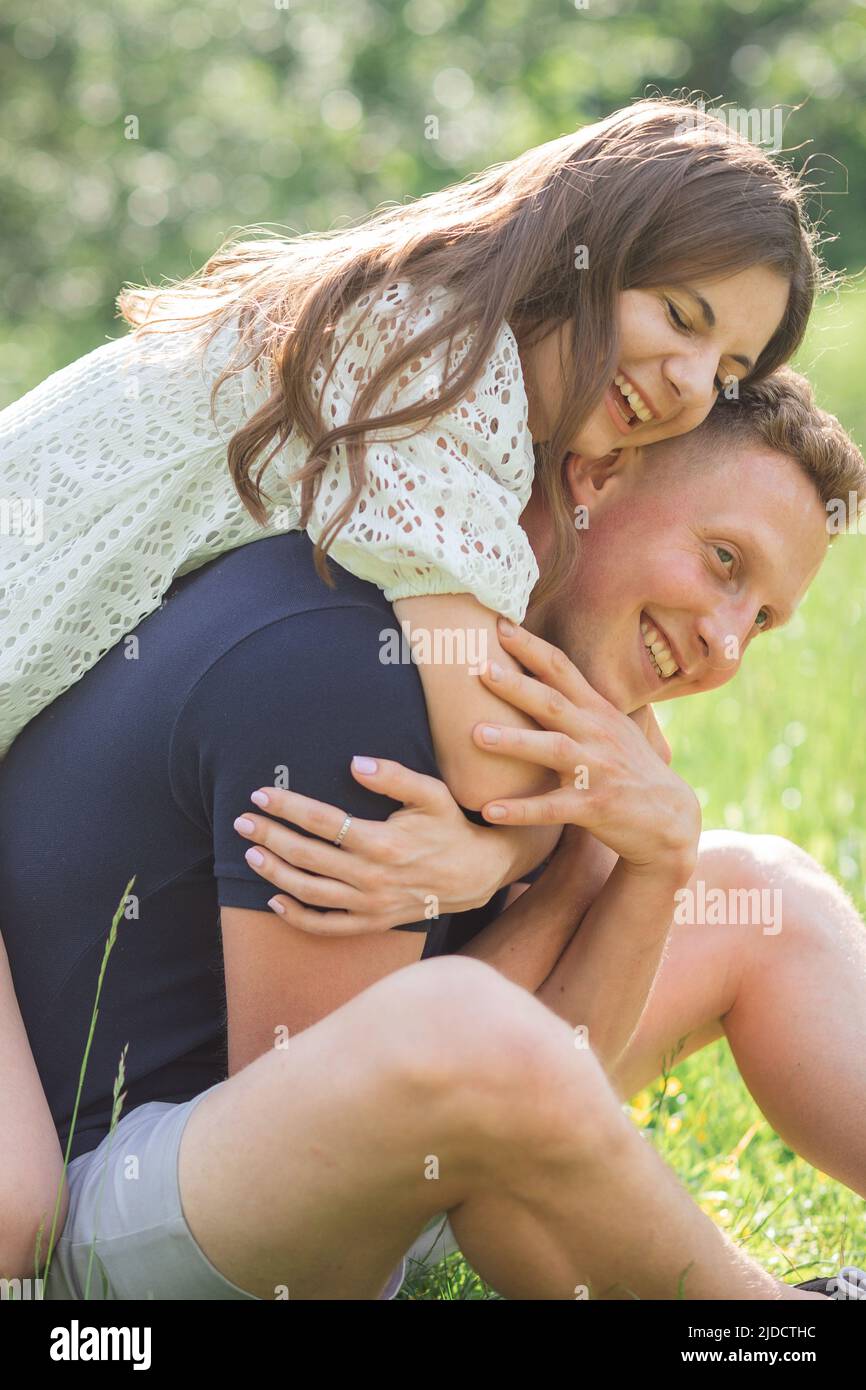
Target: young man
{"x":366,"y":1093}
{"x":695,"y":537}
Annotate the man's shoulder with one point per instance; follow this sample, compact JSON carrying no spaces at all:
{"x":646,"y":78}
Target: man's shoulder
{"x":268,"y":590}
{"x":274,"y":638}
{"x":291,"y":689}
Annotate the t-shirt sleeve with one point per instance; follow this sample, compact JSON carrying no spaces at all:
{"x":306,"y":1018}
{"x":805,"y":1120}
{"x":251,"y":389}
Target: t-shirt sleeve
{"x":440,"y":509}
{"x":291,"y":704}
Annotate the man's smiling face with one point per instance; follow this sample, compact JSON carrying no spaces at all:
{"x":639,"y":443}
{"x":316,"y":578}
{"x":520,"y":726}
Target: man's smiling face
{"x":695,"y":559}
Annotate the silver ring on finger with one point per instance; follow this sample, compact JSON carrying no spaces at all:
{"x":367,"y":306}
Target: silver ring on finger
{"x":343,"y":832}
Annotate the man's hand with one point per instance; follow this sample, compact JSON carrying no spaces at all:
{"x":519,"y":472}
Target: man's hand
{"x":649,"y":727}
{"x":613,"y":782}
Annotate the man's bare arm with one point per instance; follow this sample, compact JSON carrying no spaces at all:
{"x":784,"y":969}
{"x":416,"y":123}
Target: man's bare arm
{"x":587,"y":939}
{"x":525,"y":941}
{"x":280,"y":981}
{"x":605,"y":975}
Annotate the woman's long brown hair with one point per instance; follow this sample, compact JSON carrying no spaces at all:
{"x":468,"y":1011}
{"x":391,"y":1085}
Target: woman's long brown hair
{"x":657,"y":192}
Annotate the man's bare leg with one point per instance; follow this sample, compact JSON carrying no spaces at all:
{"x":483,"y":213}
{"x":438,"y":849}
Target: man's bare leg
{"x":792,"y":1004}
{"x":444,"y":1087}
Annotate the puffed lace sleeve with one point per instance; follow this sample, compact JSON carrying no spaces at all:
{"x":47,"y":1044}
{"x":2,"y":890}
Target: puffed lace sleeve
{"x":440,"y":510}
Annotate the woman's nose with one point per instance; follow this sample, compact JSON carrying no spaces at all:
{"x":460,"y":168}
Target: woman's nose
{"x":693,"y":377}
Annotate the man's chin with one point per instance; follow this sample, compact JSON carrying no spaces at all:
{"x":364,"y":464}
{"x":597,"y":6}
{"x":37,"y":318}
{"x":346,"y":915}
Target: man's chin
{"x":612,"y":684}
{"x":622,"y":694}
{"x":615,"y":691}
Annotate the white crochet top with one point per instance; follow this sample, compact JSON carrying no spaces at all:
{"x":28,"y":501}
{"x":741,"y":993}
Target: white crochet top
{"x":114,"y":481}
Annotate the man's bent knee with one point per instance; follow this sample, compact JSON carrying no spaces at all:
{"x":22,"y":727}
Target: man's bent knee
{"x":766,"y":882}
{"x":756,"y":858}
{"x":498,"y":1066}
{"x":459,"y":1013}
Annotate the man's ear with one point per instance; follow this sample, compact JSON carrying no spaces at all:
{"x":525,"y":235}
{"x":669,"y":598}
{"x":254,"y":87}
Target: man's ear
{"x":590,"y":482}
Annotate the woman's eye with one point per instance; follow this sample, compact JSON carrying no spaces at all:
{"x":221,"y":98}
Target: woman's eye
{"x":726,"y":556}
{"x":762,"y":619}
{"x":677,"y":318}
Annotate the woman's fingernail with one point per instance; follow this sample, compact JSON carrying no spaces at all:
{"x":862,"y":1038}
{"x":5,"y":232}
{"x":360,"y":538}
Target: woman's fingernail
{"x":366,"y":765}
{"x":489,"y":733}
{"x":495,"y":671}
{"x":495,"y":812}
{"x":277,"y":906}
{"x":254,"y":856}
{"x":506,"y":628}
{"x":244,"y":824}
{"x":260,"y":798}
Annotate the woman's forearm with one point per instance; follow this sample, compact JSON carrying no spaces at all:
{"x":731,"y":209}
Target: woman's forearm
{"x":461,"y":636}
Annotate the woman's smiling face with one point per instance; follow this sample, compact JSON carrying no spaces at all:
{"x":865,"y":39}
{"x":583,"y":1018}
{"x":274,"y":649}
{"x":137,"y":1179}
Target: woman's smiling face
{"x":679,"y":346}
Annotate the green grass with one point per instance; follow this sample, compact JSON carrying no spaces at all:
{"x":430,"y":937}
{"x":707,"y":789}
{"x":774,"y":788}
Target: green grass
{"x":781,"y":750}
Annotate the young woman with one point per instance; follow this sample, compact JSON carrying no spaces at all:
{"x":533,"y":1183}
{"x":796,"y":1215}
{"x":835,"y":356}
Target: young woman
{"x":601,"y":290}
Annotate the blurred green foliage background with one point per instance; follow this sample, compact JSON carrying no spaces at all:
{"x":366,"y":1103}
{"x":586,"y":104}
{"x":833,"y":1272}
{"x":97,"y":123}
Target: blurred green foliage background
{"x":136,"y":134}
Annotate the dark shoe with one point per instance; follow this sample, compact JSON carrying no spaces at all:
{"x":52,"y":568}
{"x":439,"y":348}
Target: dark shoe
{"x":849,"y":1283}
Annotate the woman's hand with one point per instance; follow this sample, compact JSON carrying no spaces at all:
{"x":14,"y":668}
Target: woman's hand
{"x":612,"y":780}
{"x":424,"y":861}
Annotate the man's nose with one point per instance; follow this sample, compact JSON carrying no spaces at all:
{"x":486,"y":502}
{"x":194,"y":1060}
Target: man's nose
{"x":722,"y":637}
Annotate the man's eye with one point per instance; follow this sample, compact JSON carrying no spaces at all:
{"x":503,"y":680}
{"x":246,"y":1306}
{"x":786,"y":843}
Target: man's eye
{"x":762,"y":619}
{"x":726,"y":557}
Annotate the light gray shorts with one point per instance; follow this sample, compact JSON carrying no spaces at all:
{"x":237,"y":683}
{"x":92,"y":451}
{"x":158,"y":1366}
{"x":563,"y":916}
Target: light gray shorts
{"x":125,"y":1194}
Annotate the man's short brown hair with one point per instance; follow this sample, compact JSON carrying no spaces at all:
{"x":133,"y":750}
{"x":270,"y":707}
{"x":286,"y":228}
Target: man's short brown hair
{"x":781,"y":413}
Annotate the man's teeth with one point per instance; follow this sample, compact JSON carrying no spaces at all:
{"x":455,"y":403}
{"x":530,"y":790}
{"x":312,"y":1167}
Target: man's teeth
{"x":659,"y":653}
{"x":635,"y":400}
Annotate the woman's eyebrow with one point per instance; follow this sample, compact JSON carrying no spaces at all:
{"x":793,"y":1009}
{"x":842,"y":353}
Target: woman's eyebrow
{"x":710,"y":319}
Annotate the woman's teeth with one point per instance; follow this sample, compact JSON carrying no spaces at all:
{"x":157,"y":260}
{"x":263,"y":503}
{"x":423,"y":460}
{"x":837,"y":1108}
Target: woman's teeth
{"x":659,"y":653}
{"x":634,"y":398}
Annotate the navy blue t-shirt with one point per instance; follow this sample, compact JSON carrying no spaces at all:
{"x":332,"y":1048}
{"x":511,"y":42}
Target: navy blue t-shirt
{"x":251,"y":670}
